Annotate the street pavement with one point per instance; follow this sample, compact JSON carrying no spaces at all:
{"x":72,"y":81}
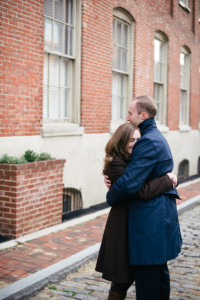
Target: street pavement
{"x":35,"y":259}
{"x":86,"y":284}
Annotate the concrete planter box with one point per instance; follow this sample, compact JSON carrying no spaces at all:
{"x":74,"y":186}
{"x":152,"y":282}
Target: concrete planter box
{"x":31,"y":196}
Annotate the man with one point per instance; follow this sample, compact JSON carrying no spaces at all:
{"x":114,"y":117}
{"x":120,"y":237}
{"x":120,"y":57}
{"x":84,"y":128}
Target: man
{"x":154,"y":233}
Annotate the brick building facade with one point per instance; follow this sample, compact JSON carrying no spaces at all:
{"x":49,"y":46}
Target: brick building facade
{"x":69,"y":68}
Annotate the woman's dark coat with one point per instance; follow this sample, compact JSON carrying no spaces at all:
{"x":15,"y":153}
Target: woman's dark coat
{"x":113,"y":259}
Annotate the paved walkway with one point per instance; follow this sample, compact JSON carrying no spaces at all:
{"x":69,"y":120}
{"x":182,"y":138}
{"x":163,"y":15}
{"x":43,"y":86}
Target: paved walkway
{"x":29,"y":257}
{"x":86,"y":284}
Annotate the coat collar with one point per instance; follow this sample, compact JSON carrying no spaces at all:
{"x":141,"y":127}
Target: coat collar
{"x":147,"y":125}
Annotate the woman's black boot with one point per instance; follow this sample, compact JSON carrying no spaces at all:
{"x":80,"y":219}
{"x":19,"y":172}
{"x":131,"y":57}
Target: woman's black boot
{"x":115,"y":296}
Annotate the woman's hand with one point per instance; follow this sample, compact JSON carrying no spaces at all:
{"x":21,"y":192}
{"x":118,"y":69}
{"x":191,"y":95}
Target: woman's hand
{"x":107,"y":181}
{"x":173,"y":178}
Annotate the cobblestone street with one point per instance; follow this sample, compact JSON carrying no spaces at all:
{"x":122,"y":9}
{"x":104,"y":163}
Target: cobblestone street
{"x":86,"y":284}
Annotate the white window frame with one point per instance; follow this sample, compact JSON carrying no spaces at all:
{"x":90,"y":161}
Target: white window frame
{"x":185,"y":74}
{"x":60,"y":126}
{"x":161,"y":81}
{"x":185,"y":4}
{"x":123,"y":17}
{"x":199,"y":10}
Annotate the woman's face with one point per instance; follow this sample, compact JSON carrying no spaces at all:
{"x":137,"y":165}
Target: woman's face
{"x":133,"y":139}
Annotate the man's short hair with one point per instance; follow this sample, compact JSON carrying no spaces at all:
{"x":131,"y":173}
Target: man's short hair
{"x":146,"y":104}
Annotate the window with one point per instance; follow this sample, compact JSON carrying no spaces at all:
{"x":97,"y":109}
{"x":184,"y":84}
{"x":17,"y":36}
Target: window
{"x":72,"y":201}
{"x":198,"y":166}
{"x":183,"y":169}
{"x":199,"y":10}
{"x":160,"y":76}
{"x":184,"y":86}
{"x":185,"y":4}
{"x":122,"y":67}
{"x":61,"y":61}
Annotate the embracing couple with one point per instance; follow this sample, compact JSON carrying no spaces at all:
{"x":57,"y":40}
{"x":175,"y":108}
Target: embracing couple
{"x":142,"y":232}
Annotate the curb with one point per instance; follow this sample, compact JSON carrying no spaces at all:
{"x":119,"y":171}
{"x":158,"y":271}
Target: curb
{"x":32,"y":284}
{"x":188,"y":204}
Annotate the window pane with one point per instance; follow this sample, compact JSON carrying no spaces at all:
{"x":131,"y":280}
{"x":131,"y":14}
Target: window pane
{"x":114,"y":31}
{"x":115,"y":92}
{"x":47,"y":34}
{"x":126,"y":36}
{"x":199,"y":9}
{"x":64,"y":103}
{"x":48,"y":8}
{"x":45,"y":102}
{"x":158,"y":67}
{"x":119,"y":86}
{"x":45,"y":70}
{"x":54,"y":71}
{"x":183,"y":69}
{"x":158,"y":61}
{"x":124,"y":59}
{"x":186,"y":2}
{"x":183,"y":107}
{"x":54,"y":36}
{"x":119,"y":26}
{"x":114,"y":61}
{"x":158,"y":95}
{"x":53,"y":103}
{"x":59,"y":10}
{"x":182,"y":59}
{"x":120,"y":44}
{"x":69,"y":12}
{"x":119,"y":57}
{"x":58,"y":37}
{"x":68,"y":40}
{"x":45,"y":87}
{"x":184,"y":86}
{"x":65,"y":73}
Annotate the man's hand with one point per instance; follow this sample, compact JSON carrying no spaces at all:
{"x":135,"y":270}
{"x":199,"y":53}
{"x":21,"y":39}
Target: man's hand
{"x":107,"y":181}
{"x":173,"y":178}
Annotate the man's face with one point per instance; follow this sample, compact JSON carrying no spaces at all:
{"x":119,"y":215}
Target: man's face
{"x":133,"y":116}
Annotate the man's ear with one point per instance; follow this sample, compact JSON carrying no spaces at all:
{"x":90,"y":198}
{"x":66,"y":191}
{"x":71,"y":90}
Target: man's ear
{"x":145,"y":115}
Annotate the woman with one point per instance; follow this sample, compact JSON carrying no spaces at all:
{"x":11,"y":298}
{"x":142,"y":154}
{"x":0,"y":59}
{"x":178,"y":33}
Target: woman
{"x":113,"y":260}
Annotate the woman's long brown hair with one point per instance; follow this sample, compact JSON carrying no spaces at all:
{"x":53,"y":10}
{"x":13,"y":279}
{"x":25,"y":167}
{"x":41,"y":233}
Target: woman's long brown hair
{"x":117,"y":144}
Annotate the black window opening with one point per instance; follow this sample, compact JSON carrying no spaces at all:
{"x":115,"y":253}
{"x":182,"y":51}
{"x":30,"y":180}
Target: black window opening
{"x":72,"y":202}
{"x":183,"y":169}
{"x":198,"y":167}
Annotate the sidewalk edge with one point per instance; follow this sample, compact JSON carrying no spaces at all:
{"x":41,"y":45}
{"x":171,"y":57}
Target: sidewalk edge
{"x":188,"y":204}
{"x":32,"y":284}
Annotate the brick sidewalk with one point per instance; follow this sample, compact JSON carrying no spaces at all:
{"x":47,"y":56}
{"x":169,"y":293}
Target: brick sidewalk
{"x":27,"y":258}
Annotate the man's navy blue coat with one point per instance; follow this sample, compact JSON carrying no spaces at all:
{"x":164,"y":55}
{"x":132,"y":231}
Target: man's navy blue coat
{"x":154,"y":232}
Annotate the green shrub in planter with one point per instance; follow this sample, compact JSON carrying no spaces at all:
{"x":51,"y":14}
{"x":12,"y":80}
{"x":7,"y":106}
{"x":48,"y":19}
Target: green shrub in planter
{"x":29,"y":156}
{"x":5,"y":159}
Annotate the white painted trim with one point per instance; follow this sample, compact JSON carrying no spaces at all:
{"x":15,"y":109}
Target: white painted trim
{"x":163,"y":128}
{"x":61,"y":129}
{"x":181,"y":3}
{"x":183,"y":127}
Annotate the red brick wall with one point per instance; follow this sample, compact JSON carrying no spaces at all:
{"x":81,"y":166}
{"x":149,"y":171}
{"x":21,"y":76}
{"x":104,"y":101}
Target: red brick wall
{"x":30,"y":197}
{"x":96,"y":77}
{"x":21,"y":60}
{"x":181,"y":28}
{"x":21,"y":67}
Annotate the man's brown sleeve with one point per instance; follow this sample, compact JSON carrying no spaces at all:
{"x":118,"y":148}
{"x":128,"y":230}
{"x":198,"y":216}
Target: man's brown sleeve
{"x":154,"y":188}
